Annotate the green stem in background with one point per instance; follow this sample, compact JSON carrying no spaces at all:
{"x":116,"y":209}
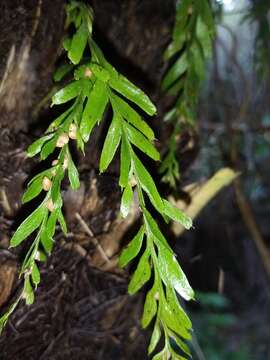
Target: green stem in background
{"x":190,"y":47}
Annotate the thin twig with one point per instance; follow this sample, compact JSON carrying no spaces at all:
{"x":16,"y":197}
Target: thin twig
{"x":92,"y":237}
{"x":5,"y":202}
{"x":221,"y":281}
{"x":202,"y":195}
{"x":251,"y":224}
{"x":197,"y":348}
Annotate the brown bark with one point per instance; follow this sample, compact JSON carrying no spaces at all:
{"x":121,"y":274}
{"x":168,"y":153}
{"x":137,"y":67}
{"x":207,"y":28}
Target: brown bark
{"x":31,"y":31}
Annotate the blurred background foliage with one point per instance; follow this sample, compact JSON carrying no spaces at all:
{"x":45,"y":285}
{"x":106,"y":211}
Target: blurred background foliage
{"x":232,"y":235}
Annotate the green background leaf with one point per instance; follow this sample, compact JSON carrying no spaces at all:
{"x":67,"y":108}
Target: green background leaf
{"x":141,"y":275}
{"x":133,"y":248}
{"x":111,"y":143}
{"x":94,"y":109}
{"x":29,"y":225}
{"x":78,"y":44}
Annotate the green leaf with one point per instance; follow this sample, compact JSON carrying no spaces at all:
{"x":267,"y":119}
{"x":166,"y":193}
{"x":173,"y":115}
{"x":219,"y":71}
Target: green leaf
{"x":175,"y":90}
{"x":181,"y":344}
{"x":176,"y":356}
{"x":126,"y":201}
{"x":163,"y":355}
{"x":94,"y":109}
{"x":48,"y":230}
{"x":171,"y":115}
{"x":67,"y":44}
{"x":29,"y":225}
{"x":62,"y":221}
{"x":153,"y":230}
{"x":177,"y":309}
{"x":68,"y":93}
{"x":147,"y":183}
{"x":79,"y":72}
{"x":133,"y":248}
{"x":141,"y":275}
{"x":139,"y":140}
{"x":42,"y":256}
{"x":125,"y":162}
{"x":177,"y":215}
{"x":99,"y":58}
{"x":154,"y":338}
{"x":59,"y":120}
{"x":73,"y":174}
{"x":172,"y":274}
{"x":206,"y":14}
{"x":62,"y":71}
{"x":48,"y":148}
{"x":28,"y":292}
{"x":175,"y":46}
{"x":78,"y":44}
{"x":123,"y":86}
{"x":88,"y":17}
{"x":56,"y":186}
{"x":111,"y":143}
{"x":5,"y":317}
{"x":35,"y":274}
{"x":174,"y":73}
{"x":35,"y":148}
{"x":172,"y":322}
{"x":196,"y":57}
{"x":150,"y":306}
{"x":101,"y":73}
{"x":78,"y":20}
{"x":47,"y":242}
{"x":33,"y":190}
{"x":77,"y":111}
{"x":47,"y":173}
{"x":51,"y":223}
{"x":132,"y":116}
{"x":181,"y":18}
{"x":80,"y":142}
{"x":205,"y":37}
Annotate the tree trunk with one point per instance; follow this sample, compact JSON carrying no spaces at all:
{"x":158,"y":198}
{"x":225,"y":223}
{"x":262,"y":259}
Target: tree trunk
{"x":81,"y":308}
